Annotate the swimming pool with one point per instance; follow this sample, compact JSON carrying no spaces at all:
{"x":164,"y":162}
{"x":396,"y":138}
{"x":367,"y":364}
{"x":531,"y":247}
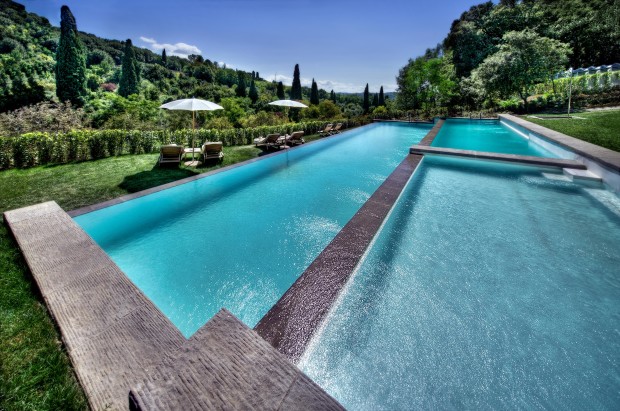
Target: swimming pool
{"x":487,"y":135}
{"x":491,"y":286}
{"x":239,"y":239}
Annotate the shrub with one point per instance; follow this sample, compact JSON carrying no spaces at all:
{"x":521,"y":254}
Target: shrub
{"x":39,"y":148}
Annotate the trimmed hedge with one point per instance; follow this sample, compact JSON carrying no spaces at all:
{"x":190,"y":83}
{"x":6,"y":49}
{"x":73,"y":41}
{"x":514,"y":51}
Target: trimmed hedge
{"x":33,"y":149}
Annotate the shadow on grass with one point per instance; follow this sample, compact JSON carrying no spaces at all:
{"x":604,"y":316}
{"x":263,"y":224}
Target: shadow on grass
{"x":154,"y":177}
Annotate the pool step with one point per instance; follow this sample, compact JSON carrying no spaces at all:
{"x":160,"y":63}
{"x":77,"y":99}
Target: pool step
{"x":583,"y":175}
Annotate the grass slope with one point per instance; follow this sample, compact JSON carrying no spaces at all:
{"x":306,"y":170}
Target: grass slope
{"x":35,"y":371}
{"x":598,"y":127}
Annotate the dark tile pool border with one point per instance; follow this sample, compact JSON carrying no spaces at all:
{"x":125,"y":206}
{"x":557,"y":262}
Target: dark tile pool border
{"x":292,"y":321}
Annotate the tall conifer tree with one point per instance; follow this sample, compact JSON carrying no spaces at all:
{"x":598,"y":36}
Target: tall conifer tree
{"x":280,"y":90}
{"x":129,"y":72}
{"x":366,"y":103}
{"x":70,"y":61}
{"x":164,"y":58}
{"x":381,"y":97}
{"x":332,"y":96}
{"x":253,"y":93}
{"x":375,"y":100}
{"x":241,"y":92}
{"x":314,"y":93}
{"x":296,"y":87}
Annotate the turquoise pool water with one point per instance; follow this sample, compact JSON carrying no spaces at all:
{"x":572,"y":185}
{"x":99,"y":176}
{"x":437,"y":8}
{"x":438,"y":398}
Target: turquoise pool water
{"x":240,"y":238}
{"x":491,"y":286}
{"x":486,"y":135}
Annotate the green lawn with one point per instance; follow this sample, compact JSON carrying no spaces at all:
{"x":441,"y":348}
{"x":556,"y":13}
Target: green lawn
{"x":35,"y":372}
{"x":597,"y":127}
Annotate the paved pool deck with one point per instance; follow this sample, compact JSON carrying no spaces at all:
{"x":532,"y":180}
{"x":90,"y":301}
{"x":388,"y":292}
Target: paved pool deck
{"x":118,"y":340}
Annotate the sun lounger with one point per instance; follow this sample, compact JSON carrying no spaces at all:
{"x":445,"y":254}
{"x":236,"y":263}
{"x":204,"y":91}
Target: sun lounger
{"x":170,"y":153}
{"x":336,"y":129}
{"x":261,"y":141}
{"x":295,"y":138}
{"x":212,"y":150}
{"x":326,"y":130}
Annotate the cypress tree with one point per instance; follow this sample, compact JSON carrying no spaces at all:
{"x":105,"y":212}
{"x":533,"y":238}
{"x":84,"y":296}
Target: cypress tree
{"x":381,"y":97}
{"x":280,"y":90}
{"x":129,"y":73}
{"x":375,"y":100}
{"x":70,"y":61}
{"x":296,"y":87}
{"x":366,"y":103}
{"x":241,"y":92}
{"x":257,"y":76}
{"x":332,"y":96}
{"x":314,"y":93}
{"x":164,"y":58}
{"x":253,"y":75}
{"x":253,"y":92}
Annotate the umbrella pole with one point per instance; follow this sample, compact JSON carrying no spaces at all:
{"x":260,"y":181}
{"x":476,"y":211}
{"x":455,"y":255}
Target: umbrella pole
{"x":193,"y":133}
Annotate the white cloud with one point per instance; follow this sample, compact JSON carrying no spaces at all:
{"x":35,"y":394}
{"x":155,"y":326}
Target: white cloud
{"x":177,"y":49}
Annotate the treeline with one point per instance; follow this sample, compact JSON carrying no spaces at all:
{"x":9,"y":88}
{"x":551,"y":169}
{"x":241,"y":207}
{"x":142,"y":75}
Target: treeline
{"x":114,"y":84}
{"x":495,"y":52}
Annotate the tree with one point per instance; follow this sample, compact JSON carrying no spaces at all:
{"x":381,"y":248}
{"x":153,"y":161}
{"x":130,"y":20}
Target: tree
{"x":280,"y":90}
{"x":296,"y":87}
{"x":240,"y":91}
{"x":366,"y":104}
{"x":332,"y":96}
{"x":164,"y":58}
{"x":70,"y":61}
{"x":314,"y":93}
{"x":375,"y":100}
{"x":381,"y":97}
{"x":524,"y":60}
{"x":253,"y":92}
{"x":129,"y":72}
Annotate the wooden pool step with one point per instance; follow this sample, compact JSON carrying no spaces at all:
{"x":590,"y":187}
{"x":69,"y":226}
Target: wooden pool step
{"x":510,"y":158}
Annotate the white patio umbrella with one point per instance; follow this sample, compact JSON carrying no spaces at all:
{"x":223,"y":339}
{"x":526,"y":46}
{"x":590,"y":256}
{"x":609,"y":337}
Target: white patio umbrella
{"x":193,"y":105}
{"x":288,"y":103}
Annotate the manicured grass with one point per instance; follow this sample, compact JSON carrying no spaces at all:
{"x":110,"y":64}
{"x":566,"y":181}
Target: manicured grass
{"x":35,"y":371}
{"x":597,"y":127}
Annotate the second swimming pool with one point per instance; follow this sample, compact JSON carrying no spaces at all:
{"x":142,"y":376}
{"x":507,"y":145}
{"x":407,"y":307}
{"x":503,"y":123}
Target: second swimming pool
{"x":491,"y":286}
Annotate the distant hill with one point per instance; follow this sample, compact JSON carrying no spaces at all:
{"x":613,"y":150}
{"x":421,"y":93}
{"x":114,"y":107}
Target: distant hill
{"x":28,"y":45}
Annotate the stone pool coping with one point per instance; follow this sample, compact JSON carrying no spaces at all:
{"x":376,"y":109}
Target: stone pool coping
{"x":604,"y":156}
{"x":511,"y":158}
{"x":119,"y":340}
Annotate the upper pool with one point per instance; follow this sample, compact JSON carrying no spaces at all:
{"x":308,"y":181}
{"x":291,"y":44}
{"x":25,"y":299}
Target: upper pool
{"x":491,"y":286}
{"x":487,"y":135}
{"x":240,"y":238}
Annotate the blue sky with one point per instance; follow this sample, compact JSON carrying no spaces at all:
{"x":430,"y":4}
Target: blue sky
{"x":343,"y":44}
